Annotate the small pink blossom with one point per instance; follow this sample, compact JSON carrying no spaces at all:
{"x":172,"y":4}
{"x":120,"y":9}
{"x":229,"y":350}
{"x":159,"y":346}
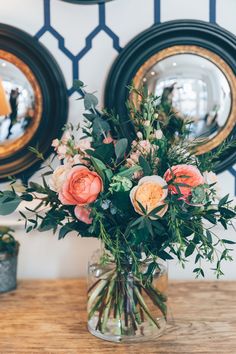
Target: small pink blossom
{"x":55,"y":143}
{"x":83,"y":214}
{"x":84,"y":144}
{"x":61,"y":151}
{"x":66,"y":137}
{"x":108,"y":140}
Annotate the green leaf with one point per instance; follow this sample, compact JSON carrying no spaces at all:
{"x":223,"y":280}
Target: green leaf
{"x":145,"y":166}
{"x":100,"y":127}
{"x":78,"y":84}
{"x":190,"y":249}
{"x":65,"y":230}
{"x":198,"y":256}
{"x":223,"y":200}
{"x":229,"y":242}
{"x":104,"y":152}
{"x":90,"y":116}
{"x":208,"y":235}
{"x":210,"y":218}
{"x":144,"y":211}
{"x":149,"y":226}
{"x":227,"y":213}
{"x":120,"y":148}
{"x":90,"y":101}
{"x":27,"y":197}
{"x":156,"y":210}
{"x":99,"y":167}
{"x":9,"y":201}
{"x":37,"y":187}
{"x":164,"y":255}
{"x":128,"y":173}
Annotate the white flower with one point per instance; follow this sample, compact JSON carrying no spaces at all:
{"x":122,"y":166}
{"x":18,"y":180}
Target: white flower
{"x":158,"y":134}
{"x":140,"y":135}
{"x":59,"y":177}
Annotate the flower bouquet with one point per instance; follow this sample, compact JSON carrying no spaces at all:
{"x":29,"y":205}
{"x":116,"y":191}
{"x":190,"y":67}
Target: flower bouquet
{"x":148,"y":197}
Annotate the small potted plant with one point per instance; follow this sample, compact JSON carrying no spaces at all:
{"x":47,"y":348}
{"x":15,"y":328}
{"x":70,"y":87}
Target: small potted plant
{"x":8,"y":259}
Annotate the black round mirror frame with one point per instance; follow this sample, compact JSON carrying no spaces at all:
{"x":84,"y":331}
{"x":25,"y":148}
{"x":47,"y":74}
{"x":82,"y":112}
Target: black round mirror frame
{"x":157,"y":38}
{"x":47,"y":73}
{"x":87,"y":2}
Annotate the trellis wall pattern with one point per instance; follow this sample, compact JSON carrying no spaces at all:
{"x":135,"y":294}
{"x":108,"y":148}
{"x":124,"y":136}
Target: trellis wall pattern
{"x":85,"y":40}
{"x":103,"y":24}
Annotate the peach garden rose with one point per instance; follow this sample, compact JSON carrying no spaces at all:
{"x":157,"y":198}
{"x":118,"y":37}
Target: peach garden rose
{"x":184,"y":174}
{"x":81,"y":187}
{"x":150,"y":192}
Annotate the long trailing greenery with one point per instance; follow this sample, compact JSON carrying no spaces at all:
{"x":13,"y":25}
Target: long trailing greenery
{"x":126,"y":213}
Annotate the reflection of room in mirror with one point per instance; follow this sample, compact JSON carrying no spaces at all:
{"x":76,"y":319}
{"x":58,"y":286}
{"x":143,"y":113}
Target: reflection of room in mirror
{"x":194,"y":88}
{"x":20,"y":96}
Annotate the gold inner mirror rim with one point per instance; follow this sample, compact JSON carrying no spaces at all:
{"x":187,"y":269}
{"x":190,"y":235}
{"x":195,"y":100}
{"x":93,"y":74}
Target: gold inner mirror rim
{"x":9,"y":148}
{"x":215,"y":59}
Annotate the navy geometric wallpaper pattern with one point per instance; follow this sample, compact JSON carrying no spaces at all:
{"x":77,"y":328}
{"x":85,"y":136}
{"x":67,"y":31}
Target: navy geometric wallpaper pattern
{"x":102,"y":26}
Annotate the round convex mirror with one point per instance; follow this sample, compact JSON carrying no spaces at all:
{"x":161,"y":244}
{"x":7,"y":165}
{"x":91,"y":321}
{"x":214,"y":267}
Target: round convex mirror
{"x":23,"y":98}
{"x":194,"y":88}
{"x":193,"y":84}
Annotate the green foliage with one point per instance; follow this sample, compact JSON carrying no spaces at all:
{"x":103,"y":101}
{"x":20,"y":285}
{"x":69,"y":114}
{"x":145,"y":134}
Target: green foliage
{"x":8,"y":244}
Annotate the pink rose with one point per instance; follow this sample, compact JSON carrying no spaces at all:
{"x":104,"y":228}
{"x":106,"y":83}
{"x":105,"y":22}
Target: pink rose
{"x":81,"y":187}
{"x":191,"y":176}
{"x":82,"y":214}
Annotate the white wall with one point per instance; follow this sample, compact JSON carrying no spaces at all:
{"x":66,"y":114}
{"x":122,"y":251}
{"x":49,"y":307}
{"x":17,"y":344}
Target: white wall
{"x":41,"y":254}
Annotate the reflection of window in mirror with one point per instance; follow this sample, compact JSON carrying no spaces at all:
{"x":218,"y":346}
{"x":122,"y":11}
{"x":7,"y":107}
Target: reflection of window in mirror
{"x":20,"y":97}
{"x":197,"y":89}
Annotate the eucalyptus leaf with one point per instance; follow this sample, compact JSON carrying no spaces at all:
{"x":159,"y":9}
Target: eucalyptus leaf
{"x":9,"y":201}
{"x":128,"y":172}
{"x":90,"y":101}
{"x":120,"y":148}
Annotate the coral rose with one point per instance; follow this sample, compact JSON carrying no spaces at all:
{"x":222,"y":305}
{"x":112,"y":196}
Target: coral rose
{"x":81,"y":187}
{"x":83,"y":214}
{"x":150,"y":192}
{"x":183,"y":174}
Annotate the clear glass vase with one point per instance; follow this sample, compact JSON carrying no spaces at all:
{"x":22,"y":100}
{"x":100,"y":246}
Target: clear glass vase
{"x":124,"y":307}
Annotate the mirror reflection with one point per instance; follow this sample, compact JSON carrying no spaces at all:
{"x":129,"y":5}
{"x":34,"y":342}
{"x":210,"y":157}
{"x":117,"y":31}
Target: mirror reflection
{"x":17,"y":101}
{"x":194,"y":88}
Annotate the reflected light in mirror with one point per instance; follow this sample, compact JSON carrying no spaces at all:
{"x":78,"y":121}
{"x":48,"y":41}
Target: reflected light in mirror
{"x":5,"y":108}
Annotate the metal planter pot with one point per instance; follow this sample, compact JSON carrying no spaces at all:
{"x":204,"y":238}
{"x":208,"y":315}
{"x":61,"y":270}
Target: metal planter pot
{"x":8,"y":271}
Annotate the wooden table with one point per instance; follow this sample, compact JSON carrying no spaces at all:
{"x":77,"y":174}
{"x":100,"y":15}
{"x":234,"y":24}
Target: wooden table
{"x":50,"y":317}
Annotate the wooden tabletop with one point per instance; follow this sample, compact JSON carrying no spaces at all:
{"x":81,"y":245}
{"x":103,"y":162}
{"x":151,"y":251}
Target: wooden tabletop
{"x":50,"y":317}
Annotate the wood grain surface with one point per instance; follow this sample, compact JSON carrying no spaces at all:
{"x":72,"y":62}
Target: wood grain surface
{"x":50,"y":317}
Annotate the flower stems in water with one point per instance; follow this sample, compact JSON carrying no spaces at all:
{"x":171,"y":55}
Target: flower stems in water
{"x":119,"y":298}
